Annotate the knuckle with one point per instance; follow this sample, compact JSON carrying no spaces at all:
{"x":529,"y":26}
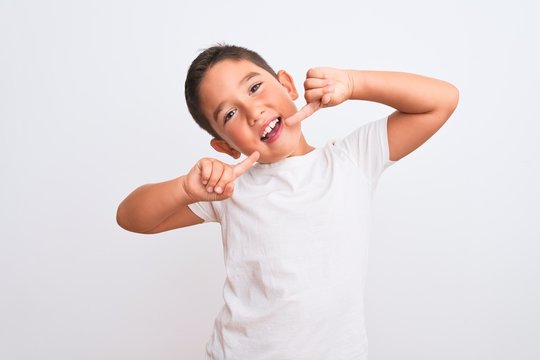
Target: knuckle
{"x":216,"y":169}
{"x":310,"y":96}
{"x":206,"y":165}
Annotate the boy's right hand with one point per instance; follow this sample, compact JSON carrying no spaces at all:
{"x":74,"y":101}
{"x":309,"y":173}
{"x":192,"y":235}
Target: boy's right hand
{"x":213,"y":180}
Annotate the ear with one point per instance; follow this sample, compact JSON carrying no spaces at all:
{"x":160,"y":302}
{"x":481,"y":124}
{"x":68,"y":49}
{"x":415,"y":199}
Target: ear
{"x":286,"y":80}
{"x":223,"y":147}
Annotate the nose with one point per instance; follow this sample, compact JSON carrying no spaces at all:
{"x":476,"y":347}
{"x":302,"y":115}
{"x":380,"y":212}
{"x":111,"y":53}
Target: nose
{"x":255,"y":115}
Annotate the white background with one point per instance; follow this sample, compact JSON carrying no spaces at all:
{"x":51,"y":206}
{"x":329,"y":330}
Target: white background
{"x":92,"y":106}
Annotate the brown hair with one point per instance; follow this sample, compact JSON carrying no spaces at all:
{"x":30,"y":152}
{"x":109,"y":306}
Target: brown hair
{"x":204,"y":61}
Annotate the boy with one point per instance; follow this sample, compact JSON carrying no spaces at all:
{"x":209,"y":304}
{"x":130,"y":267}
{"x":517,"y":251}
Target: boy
{"x":294,"y":219}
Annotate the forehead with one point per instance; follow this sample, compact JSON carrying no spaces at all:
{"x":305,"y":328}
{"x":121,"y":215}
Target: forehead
{"x":227,"y":74}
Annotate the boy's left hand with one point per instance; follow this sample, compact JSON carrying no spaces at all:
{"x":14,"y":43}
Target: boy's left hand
{"x":324,"y":87}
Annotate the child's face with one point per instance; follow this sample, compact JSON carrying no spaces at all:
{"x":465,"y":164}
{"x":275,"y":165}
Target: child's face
{"x":240,"y":100}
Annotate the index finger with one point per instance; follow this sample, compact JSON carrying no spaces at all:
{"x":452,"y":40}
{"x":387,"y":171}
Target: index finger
{"x":241,"y":167}
{"x":303,"y":113}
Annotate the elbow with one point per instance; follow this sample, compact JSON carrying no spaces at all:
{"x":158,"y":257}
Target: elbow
{"x":452,"y":99}
{"x":120,"y":218}
{"x":123,"y":221}
{"x":447,"y":103}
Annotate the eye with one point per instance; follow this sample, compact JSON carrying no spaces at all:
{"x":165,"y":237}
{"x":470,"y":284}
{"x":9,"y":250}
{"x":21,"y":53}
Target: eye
{"x":228,"y":115}
{"x":255,"y":87}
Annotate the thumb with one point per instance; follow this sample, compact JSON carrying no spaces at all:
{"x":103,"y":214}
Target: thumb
{"x":227,"y":193}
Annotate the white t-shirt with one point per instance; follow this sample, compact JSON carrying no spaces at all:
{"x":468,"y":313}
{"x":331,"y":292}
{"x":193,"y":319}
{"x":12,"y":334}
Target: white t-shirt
{"x":295,"y":241}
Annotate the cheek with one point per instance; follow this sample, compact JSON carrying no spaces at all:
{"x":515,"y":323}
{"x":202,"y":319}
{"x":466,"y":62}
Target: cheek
{"x":290,"y":107}
{"x":295,"y":130}
{"x":239,"y":136}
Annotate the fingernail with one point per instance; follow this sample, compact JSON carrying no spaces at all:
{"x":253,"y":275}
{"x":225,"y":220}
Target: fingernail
{"x":218,"y":190}
{"x":209,"y":189}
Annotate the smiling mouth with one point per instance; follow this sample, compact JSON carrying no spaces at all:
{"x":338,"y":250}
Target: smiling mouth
{"x":271,"y":129}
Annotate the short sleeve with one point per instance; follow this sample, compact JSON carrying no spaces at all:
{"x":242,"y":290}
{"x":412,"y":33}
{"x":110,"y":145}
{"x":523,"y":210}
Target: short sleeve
{"x":368,"y":148}
{"x":205,"y":210}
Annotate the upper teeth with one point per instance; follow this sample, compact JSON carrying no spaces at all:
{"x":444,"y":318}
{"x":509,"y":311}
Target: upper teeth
{"x":270,"y":127}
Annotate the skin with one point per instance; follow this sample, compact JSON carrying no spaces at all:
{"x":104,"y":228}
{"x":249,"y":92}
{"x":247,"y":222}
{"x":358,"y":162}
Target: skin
{"x":247,"y":107}
{"x":422,"y":106}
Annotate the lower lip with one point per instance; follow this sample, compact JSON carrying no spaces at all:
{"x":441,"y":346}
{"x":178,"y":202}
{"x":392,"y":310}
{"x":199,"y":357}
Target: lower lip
{"x":276,"y":134}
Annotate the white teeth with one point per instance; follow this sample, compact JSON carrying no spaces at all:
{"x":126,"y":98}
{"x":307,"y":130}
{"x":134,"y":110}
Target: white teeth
{"x":270,"y":127}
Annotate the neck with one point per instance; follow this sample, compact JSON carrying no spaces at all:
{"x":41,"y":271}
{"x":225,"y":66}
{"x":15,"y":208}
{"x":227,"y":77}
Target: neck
{"x":303,"y":147}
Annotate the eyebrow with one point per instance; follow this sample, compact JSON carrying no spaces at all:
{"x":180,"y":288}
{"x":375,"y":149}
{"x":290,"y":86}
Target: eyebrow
{"x":245,"y":79}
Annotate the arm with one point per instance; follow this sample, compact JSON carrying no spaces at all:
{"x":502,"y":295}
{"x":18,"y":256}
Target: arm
{"x":422,"y":105}
{"x":154,"y":208}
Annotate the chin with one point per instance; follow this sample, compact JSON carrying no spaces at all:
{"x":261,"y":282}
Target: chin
{"x":284,"y":147}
